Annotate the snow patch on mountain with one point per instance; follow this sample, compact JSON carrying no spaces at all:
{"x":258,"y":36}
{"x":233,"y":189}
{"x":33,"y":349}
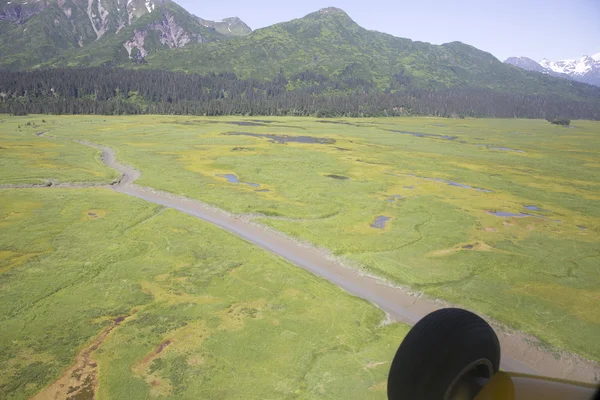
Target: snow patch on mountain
{"x":584,"y":69}
{"x":577,"y":66}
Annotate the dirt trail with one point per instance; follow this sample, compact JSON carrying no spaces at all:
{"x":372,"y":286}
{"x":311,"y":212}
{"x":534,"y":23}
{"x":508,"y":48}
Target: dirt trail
{"x":81,"y":380}
{"x":518,"y":354}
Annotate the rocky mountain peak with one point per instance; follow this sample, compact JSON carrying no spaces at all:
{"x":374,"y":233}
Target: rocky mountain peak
{"x":584,"y":69}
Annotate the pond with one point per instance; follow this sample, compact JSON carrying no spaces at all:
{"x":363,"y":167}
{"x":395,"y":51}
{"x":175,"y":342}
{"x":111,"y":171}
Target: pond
{"x":490,"y":147}
{"x":339,"y":177}
{"x":505,"y":149}
{"x":337,"y":123}
{"x":231,"y":178}
{"x":380,"y":222}
{"x":281,"y":139}
{"x":450,"y":183}
{"x":246,"y":123}
{"x":508,"y":214}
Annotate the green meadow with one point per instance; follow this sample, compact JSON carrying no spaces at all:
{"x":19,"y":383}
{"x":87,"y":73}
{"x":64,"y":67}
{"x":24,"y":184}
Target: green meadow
{"x":26,"y":158}
{"x":436,"y":182}
{"x":239,"y":322}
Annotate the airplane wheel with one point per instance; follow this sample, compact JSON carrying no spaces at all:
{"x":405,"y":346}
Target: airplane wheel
{"x":448,"y":353}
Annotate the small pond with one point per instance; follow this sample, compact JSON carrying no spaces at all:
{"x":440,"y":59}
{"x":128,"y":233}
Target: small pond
{"x":337,"y":123}
{"x":380,"y":222}
{"x":246,"y":123}
{"x":285,"y":138}
{"x":508,"y":214}
{"x":231,"y":178}
{"x":450,"y":183}
{"x":490,"y":147}
{"x":339,"y":177}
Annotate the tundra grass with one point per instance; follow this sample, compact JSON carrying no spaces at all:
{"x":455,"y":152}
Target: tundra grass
{"x":206,"y":315}
{"x":27,"y":159}
{"x":438,"y":180}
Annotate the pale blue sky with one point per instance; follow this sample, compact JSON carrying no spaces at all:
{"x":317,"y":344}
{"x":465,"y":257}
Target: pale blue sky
{"x":554,"y":29}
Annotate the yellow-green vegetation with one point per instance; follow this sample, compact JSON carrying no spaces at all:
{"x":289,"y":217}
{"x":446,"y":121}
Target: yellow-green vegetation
{"x":27,"y":159}
{"x":537,"y":273}
{"x":203,"y":314}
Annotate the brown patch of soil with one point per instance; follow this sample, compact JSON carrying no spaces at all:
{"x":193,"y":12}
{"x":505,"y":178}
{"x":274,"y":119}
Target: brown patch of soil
{"x":490,"y":229}
{"x":80,"y":381}
{"x":156,"y":352}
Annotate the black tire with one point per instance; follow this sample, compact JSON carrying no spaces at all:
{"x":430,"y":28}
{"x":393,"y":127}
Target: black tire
{"x":438,"y":350}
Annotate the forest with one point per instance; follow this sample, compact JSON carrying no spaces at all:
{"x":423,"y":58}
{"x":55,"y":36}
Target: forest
{"x":114,"y":91}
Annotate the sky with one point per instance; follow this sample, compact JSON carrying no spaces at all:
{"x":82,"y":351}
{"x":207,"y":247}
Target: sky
{"x":554,"y":29}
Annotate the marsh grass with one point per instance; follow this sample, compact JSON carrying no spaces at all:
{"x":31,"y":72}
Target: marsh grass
{"x":26,"y":158}
{"x":239,"y":322}
{"x":532,"y":273}
{"x":555,"y":168}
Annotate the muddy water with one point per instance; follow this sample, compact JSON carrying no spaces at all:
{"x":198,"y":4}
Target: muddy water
{"x":517,"y":353}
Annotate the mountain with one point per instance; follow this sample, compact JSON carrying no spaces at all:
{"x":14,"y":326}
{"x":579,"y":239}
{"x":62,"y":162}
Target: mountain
{"x":525,"y":63}
{"x":585,"y":69}
{"x":330,"y":44}
{"x":326,"y":45}
{"x":35,"y":31}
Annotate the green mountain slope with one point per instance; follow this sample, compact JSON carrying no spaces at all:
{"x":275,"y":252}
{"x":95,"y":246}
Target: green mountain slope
{"x":92,"y":32}
{"x":329,"y":42}
{"x":167,"y":27}
{"x":159,"y":34}
{"x":27,"y":41}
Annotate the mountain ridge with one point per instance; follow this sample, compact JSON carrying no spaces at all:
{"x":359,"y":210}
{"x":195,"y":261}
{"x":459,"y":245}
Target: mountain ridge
{"x":585,"y":69}
{"x":333,"y":45}
{"x":323,"y":45}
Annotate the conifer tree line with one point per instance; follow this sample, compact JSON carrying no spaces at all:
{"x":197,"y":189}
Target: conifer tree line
{"x":114,"y":91}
